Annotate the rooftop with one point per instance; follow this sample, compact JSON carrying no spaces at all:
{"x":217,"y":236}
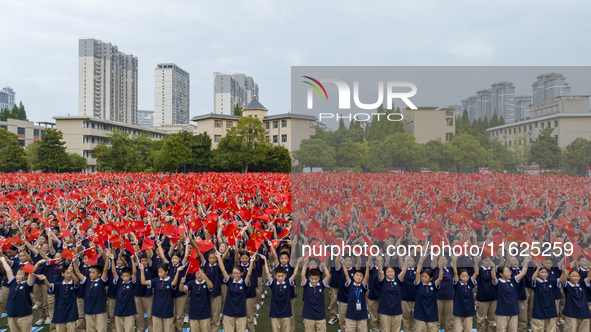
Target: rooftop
{"x":542,"y":118}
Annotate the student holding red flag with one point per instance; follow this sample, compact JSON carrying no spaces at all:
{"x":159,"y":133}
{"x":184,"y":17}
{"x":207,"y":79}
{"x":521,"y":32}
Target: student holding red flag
{"x":235,"y":304}
{"x":211,"y":268}
{"x":19,"y":304}
{"x":200,"y":309}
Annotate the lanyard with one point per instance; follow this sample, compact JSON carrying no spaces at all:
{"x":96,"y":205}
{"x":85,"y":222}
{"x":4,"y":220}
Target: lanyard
{"x":357,"y":292}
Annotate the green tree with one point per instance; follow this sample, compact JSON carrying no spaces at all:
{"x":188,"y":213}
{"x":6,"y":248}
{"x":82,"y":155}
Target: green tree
{"x":545,"y":150}
{"x":201,"y":152}
{"x":521,"y":149}
{"x":21,"y":114}
{"x":501,"y":121}
{"x":32,"y":152}
{"x":342,"y":123}
{"x":51,"y":153}
{"x":277,"y":159}
{"x":237,"y":110}
{"x":315,"y":153}
{"x":349,"y":154}
{"x":243,"y":145}
{"x":494,"y":121}
{"x":398,"y":150}
{"x":485,"y":125}
{"x":380,"y":126}
{"x":12,"y":154}
{"x":577,"y":155}
{"x":437,"y":158}
{"x":123,"y":155}
{"x":175,"y":152}
{"x":466,"y":152}
{"x":77,"y":162}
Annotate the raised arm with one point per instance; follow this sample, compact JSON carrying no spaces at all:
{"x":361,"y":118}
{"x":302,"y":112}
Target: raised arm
{"x":304,"y":269}
{"x":76,"y":269}
{"x":106,"y":268}
{"x":44,"y":279}
{"x":440,"y":277}
{"x":222,"y":267}
{"x":493,"y":274}
{"x":454,"y":266}
{"x":419,"y":267}
{"x":160,"y":252}
{"x":345,"y":273}
{"x":295,"y":272}
{"x":269,"y":277}
{"x":142,"y":276}
{"x":476,"y":269}
{"x":250,"y":268}
{"x":186,"y":256}
{"x":7,"y":269}
{"x":176,"y":275}
{"x":523,"y":269}
{"x":366,"y":278}
{"x":327,"y":275}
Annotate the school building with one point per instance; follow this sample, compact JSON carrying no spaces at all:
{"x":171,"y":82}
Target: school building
{"x":427,"y":123}
{"x":26,"y":131}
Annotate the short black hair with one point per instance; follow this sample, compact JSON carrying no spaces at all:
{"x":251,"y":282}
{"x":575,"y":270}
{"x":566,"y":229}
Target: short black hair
{"x":164,"y":266}
{"x":429,"y":272}
{"x":314,"y":273}
{"x":143,"y":255}
{"x":127,"y":270}
{"x":280,"y":269}
{"x":97,"y":268}
{"x":359,"y":271}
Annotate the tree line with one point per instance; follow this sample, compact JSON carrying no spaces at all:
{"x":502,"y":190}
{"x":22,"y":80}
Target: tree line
{"x":386,"y":144}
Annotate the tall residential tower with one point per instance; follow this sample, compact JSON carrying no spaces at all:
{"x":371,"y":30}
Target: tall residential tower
{"x":229,"y":90}
{"x":171,"y":95}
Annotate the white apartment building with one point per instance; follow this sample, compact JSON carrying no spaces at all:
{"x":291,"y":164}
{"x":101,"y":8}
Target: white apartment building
{"x":171,"y":95}
{"x":229,"y":90}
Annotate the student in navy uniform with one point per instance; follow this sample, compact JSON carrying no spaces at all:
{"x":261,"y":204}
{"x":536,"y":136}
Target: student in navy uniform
{"x":445,"y":294}
{"x":576,"y":311}
{"x":280,"y":311}
{"x":426,"y":314}
{"x":124,"y":284}
{"x":464,"y":304}
{"x":314,"y":312}
{"x":356,"y":315}
{"x":19,"y":307}
{"x":212,"y":270}
{"x":507,"y":311}
{"x":116,"y":266}
{"x":199,"y":298}
{"x":66,"y":310}
{"x":334,"y":292}
{"x":235,"y":304}
{"x":177,"y":259}
{"x":163,"y":301}
{"x":409,"y":292}
{"x":285,"y":259}
{"x":544,"y":314}
{"x":373,"y":295}
{"x":85,"y":270}
{"x":486,"y":297}
{"x":143,"y":294}
{"x":521,"y":295}
{"x":554,"y":273}
{"x":344,"y":267}
{"x":95,"y":297}
{"x":390,"y":305}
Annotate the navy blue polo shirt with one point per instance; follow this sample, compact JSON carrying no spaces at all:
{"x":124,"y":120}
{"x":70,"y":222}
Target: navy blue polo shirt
{"x":334,"y":278}
{"x":124,"y":298}
{"x":41,"y":269}
{"x":289,"y":269}
{"x":356,"y":293}
{"x":95,"y":296}
{"x":280,"y":299}
{"x":464,"y":299}
{"x":553,"y":275}
{"x":54,"y":273}
{"x":314,"y":306}
{"x":235,"y":304}
{"x":144,"y":290}
{"x":390,"y":297}
{"x":254,"y":281}
{"x":156,"y":260}
{"x":19,"y":299}
{"x":214,"y":275}
{"x":229,"y":261}
{"x":544,"y":303}
{"x":426,"y":302}
{"x":84,"y":270}
{"x":65,"y":308}
{"x":506,"y":297}
{"x":163,"y":301}
{"x":486,"y":291}
{"x":446,"y":287}
{"x":177,"y":292}
{"x":112,"y":291}
{"x":575,"y":302}
{"x":409,"y":291}
{"x":466,"y":262}
{"x":199,"y":306}
{"x":375,"y":287}
{"x":343,"y":294}
{"x":521,"y":296}
{"x":584,"y":273}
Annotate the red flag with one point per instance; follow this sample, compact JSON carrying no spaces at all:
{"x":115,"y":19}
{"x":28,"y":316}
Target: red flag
{"x":253,"y":245}
{"x":68,"y":254}
{"x":212,"y":227}
{"x":148,"y":244}
{"x":193,"y":265}
{"x":284,"y":233}
{"x":205,"y":246}
{"x":92,"y":256}
{"x":28,"y":268}
{"x":167,"y":229}
{"x":66,"y":233}
{"x":129,"y":247}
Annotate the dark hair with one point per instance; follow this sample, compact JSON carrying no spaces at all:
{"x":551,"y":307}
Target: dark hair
{"x":314,"y":273}
{"x":284,"y":254}
{"x":544,"y":268}
{"x":460,"y":271}
{"x":143,"y":255}
{"x":126,"y":270}
{"x":359,"y":271}
{"x":389,"y":267}
{"x":429,"y":272}
{"x":575,"y":271}
{"x":164,"y":266}
{"x":177,"y":254}
{"x":500,"y":269}
{"x":239,"y":268}
{"x":97,"y":268}
{"x":280,"y":269}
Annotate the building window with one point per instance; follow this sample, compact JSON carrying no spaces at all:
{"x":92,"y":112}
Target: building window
{"x":536,"y":125}
{"x":42,"y":132}
{"x":217,"y":123}
{"x":450,"y":121}
{"x":275,"y":124}
{"x":284,"y":138}
{"x":217,"y":138}
{"x":35,"y":132}
{"x":274,"y":138}
{"x":229,"y":124}
{"x":549,"y":126}
{"x":529,"y":127}
{"x":267,"y":125}
{"x":20,"y":130}
{"x":555,"y":123}
{"x":520,"y":130}
{"x":530,"y":140}
{"x":283,"y":123}
{"x":448,"y":137}
{"x":542,"y":125}
{"x":509,"y":143}
{"x":256,"y":116}
{"x":556,"y":137}
{"x":4,"y":127}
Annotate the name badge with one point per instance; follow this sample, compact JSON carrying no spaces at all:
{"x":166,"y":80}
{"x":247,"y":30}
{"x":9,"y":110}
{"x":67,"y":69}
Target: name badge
{"x":357,"y":306}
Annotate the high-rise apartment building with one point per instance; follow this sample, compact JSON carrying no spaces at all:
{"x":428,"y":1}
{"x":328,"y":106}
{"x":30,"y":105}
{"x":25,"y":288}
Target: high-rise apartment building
{"x":145,"y":118}
{"x":171,"y":95}
{"x":522,"y":107}
{"x":483,"y":103}
{"x":107,"y":82}
{"x":229,"y":90}
{"x":7,"y":98}
{"x":503,"y":101}
{"x":548,"y":86}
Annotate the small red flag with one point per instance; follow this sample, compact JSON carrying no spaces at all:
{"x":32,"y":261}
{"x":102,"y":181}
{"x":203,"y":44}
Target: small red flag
{"x":148,"y":244}
{"x":205,"y":246}
{"x":129,"y":247}
{"x":28,"y":268}
{"x":92,"y":256}
{"x":193,"y":265}
{"x":68,"y":254}
{"x":167,"y":229}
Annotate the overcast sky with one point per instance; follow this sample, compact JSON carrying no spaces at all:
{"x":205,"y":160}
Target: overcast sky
{"x":39,"y":41}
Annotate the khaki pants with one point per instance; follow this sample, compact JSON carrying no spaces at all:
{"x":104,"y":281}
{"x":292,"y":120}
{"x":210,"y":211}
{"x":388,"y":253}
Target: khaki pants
{"x":485,"y":311}
{"x":561,"y":305}
{"x":20,"y":324}
{"x":125,"y":324}
{"x":506,"y":323}
{"x":179,"y":312}
{"x":530,"y":301}
{"x":4,"y":298}
{"x":372,"y":310}
{"x":522,"y":318}
{"x":200,"y":325}
{"x":463,"y":324}
{"x":251,"y":311}
{"x":224,"y":292}
{"x":445,"y":308}
{"x":408,"y":309}
{"x":332,"y":308}
{"x":314,"y":325}
{"x":81,"y":322}
{"x":342,"y":311}
{"x":162,"y":324}
{"x":232,"y":324}
{"x":280,"y":324}
{"x":292,"y":319}
{"x":187,"y":303}
{"x":426,"y":326}
{"x":66,"y":327}
{"x":575,"y":325}
{"x":259,"y":291}
{"x":96,"y":323}
{"x":355,"y":325}
{"x":544,"y":325}
{"x":143,"y":305}
{"x":41,"y":300}
{"x":389,"y":323}
{"x":50,"y":309}
{"x":111,"y":310}
{"x":216,"y":309}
